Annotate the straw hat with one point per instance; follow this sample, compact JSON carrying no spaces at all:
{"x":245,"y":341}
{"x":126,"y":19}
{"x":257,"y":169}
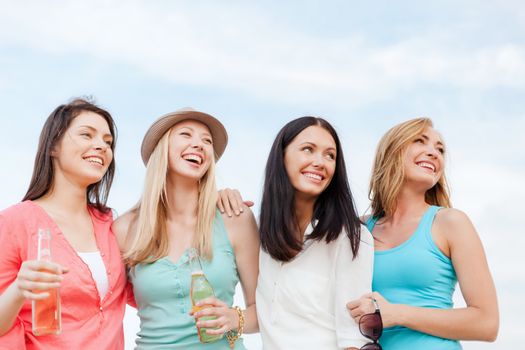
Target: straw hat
{"x":164,"y":123}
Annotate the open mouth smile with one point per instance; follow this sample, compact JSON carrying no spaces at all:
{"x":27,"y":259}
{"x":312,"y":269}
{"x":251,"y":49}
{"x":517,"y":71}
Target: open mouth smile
{"x":427,"y":165}
{"x":95,"y":160}
{"x":314,"y":176}
{"x":193,"y":158}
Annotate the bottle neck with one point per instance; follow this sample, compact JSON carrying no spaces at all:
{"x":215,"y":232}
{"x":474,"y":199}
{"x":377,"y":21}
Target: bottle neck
{"x":195,"y":262}
{"x":44,"y":245}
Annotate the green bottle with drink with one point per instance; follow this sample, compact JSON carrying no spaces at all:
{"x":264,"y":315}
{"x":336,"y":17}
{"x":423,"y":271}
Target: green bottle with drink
{"x":200,"y":289}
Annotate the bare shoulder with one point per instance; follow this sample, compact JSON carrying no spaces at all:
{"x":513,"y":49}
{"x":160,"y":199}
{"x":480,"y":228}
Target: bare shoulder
{"x":453,"y":223}
{"x":451,"y":217}
{"x":122,"y":225}
{"x":246,"y":219}
{"x":241,"y":227}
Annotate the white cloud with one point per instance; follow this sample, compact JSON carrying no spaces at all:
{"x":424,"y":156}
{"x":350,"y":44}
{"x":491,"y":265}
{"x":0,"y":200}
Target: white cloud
{"x":240,"y":48}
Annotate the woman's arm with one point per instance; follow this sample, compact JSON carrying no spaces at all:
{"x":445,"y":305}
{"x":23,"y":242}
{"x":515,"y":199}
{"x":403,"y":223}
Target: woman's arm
{"x":121,"y":227}
{"x":244,"y":236}
{"x":352,"y":278}
{"x":479,"y":320}
{"x":29,"y":279}
{"x":19,"y":279}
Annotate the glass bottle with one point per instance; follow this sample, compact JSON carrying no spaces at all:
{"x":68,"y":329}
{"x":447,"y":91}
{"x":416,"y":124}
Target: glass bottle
{"x":46,"y":315}
{"x":200,"y":289}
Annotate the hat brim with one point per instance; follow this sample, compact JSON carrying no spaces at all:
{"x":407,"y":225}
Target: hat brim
{"x":167,"y":121}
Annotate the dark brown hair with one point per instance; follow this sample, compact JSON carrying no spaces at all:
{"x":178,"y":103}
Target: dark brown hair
{"x":54,"y":129}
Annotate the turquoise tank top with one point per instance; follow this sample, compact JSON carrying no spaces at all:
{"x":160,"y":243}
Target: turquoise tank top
{"x":415,"y":273}
{"x":162,"y":294}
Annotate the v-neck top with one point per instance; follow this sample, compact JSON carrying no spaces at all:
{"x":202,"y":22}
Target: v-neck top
{"x":88,"y":322}
{"x":415,"y":273}
{"x":162,"y":291}
{"x":96,"y":265}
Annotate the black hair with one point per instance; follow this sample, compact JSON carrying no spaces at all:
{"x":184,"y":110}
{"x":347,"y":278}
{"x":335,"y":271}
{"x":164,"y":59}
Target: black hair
{"x":334,"y":209}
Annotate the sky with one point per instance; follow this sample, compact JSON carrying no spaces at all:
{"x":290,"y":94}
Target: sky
{"x":363,"y":66}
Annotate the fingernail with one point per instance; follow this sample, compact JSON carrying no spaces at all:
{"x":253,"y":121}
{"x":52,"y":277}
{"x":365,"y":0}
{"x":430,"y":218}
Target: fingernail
{"x":242,"y":210}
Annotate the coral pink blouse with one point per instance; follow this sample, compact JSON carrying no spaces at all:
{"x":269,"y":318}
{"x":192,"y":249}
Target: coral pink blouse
{"x":87,"y":321}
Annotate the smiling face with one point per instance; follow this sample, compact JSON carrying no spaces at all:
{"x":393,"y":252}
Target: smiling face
{"x":190,"y":149}
{"x":310,"y":161}
{"x":84,"y":153}
{"x":424,"y":159}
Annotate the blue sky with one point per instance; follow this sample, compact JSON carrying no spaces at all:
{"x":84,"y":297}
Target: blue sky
{"x":255,"y":65}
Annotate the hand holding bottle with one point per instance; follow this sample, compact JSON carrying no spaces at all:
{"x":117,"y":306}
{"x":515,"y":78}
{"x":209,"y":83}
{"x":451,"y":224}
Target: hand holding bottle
{"x":38,"y":281}
{"x":224,"y":318}
{"x":38,"y":275}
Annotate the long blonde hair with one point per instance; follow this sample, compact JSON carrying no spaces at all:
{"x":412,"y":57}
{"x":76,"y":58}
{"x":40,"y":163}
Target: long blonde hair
{"x":388,"y":171}
{"x":149,"y":237}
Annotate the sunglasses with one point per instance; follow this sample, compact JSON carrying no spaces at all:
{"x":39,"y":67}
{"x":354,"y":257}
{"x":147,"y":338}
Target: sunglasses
{"x":371,"y":326}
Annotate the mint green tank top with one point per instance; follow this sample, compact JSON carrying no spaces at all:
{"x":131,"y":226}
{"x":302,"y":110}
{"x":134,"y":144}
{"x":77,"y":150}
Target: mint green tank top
{"x":415,"y":273}
{"x":162,"y":294}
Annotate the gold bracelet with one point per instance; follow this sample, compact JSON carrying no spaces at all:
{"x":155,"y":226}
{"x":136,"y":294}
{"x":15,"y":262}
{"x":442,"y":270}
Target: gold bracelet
{"x":232,"y":336}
